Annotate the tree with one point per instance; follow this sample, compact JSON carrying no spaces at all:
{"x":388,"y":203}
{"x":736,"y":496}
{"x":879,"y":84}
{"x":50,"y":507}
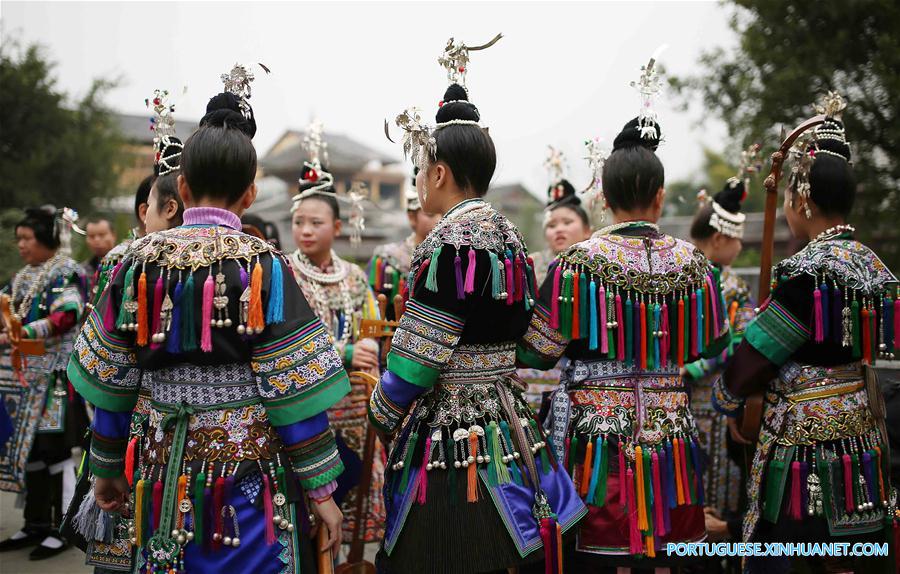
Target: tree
{"x":789,"y":55}
{"x":715,"y":172}
{"x":52,"y":150}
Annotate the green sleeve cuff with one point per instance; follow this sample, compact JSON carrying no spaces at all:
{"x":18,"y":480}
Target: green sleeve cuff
{"x":412,"y":371}
{"x":348,"y":354}
{"x":696,"y":370}
{"x":292,"y":408}
{"x":29,"y":332}
{"x":716,"y":347}
{"x":112,"y":398}
{"x":530,"y":358}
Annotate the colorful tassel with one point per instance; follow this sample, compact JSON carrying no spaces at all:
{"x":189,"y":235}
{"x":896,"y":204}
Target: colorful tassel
{"x":695,"y":316}
{"x":592,"y":292}
{"x":188,"y":322}
{"x":586,"y":469}
{"x":206,"y":314}
{"x":620,"y":330}
{"x":566,"y":310}
{"x":634,"y":533}
{"x":472,"y":488}
{"x":513,"y":468}
{"x":469,"y":284}
{"x":826,"y":310}
{"x":139,"y":517}
{"x":595,"y":471}
{"x":268,"y":510}
{"x":503,"y":475}
{"x":855,"y":334}
{"x":423,"y":473}
{"x":774,"y":490}
{"x":256,"y":320}
{"x":495,"y":275}
{"x":629,"y":350}
{"x":431,"y":277}
{"x":657,"y":335}
{"x":647,"y":488}
{"x":600,"y":494}
{"x":218,"y":502}
{"x":794,"y":505}
{"x":667,"y":335}
{"x":679,"y":479}
{"x":665,"y":493}
{"x":157,"y":503}
{"x":697,"y":458}
{"x":547,"y":540}
{"x":510,"y":282}
{"x":173,"y":341}
{"x":818,"y":316}
{"x":643,"y":334}
{"x":199,"y":516}
{"x":639,"y":484}
{"x":848,"y":483}
{"x":576,"y":307}
{"x":143,"y":323}
{"x":130,"y":452}
{"x":873,"y":334}
{"x":126,"y":317}
{"x":275,"y":305}
{"x":623,"y":478}
{"x":583,"y":318}
{"x":158,"y":295}
{"x":555,"y":298}
{"x":869,"y":476}
{"x":519,"y":269}
{"x":866,"y":341}
{"x":570,"y":457}
{"x":458,"y":275}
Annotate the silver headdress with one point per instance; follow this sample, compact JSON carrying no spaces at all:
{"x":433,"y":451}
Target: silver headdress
{"x":455,"y":59}
{"x":725,"y":221}
{"x":166,"y":146}
{"x":649,"y":87}
{"x":65,"y":223}
{"x":357,"y":221}
{"x":555,"y":165}
{"x":315,"y":178}
{"x":596,"y":157}
{"x":237,"y":82}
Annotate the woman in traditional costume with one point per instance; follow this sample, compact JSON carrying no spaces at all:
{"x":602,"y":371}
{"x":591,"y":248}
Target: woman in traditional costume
{"x":717,"y":230}
{"x":628,"y":308}
{"x":240,"y":369}
{"x":339,"y":295}
{"x":390,"y":262}
{"x":471,"y":485}
{"x":820,"y":472}
{"x":48,"y":418}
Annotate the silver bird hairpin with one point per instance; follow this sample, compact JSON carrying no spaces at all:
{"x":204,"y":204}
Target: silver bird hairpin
{"x":455,"y":59}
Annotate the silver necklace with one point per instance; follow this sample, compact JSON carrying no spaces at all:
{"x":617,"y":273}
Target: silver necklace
{"x":36,"y":285}
{"x":314,"y":278}
{"x":833,"y":232}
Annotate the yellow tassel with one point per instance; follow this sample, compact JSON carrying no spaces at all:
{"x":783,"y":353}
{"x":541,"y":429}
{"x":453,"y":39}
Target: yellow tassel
{"x":639,"y":491}
{"x":651,"y":551}
{"x":256,"y":321}
{"x":139,"y":511}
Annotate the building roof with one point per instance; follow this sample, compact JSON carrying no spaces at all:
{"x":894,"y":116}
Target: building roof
{"x":345,"y":155}
{"x":135,"y":128}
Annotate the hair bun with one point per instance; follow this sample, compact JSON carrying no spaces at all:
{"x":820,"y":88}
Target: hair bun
{"x":831,"y":138}
{"x":224,"y":111}
{"x":631,"y":136}
{"x":46,"y":212}
{"x":456,"y":106}
{"x":562,"y":193}
{"x":732,"y":195}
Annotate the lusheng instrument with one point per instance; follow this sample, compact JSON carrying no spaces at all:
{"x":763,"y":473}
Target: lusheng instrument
{"x":20,"y":347}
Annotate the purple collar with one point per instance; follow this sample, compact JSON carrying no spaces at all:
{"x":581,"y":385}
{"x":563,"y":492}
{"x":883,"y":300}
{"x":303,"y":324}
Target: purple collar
{"x":211,"y":216}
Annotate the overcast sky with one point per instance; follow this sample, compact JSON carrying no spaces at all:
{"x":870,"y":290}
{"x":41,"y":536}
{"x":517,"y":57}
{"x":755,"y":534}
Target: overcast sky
{"x":559,"y":76}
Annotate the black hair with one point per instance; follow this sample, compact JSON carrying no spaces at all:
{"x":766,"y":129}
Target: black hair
{"x":632,"y":175}
{"x":166,"y":189}
{"x":831,"y":180}
{"x":42,"y":221}
{"x":217,"y":113}
{"x":219,"y":160}
{"x":143,"y":192}
{"x":730,"y":198}
{"x":267,"y":228}
{"x":327,"y":195}
{"x":572,"y":202}
{"x":329,"y":199}
{"x":467,"y":149}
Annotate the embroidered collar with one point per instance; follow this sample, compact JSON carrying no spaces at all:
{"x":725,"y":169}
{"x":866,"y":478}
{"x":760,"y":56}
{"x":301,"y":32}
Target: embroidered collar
{"x":211,"y":216}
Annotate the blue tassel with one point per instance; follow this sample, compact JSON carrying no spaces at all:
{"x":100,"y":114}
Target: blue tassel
{"x":595,"y":471}
{"x":431,"y":276}
{"x":593,"y":313}
{"x":657,"y":313}
{"x":700,"y":318}
{"x":698,"y":470}
{"x":495,"y":275}
{"x":173,"y":340}
{"x":826,"y":315}
{"x":513,"y":467}
{"x":457,"y":270}
{"x":275,"y":307}
{"x":188,"y":324}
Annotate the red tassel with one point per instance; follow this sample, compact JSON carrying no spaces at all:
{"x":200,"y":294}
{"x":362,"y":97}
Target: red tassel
{"x":510,"y":285}
{"x":129,"y":461}
{"x":142,"y":320}
{"x":620,"y":331}
{"x":520,"y":278}
{"x":207,"y":313}
{"x":623,"y":500}
{"x":586,"y":469}
{"x":707,"y":316}
{"x":546,"y":540}
{"x":849,"y":504}
{"x":472,"y":487}
{"x":423,"y":474}
{"x":794,"y":510}
{"x":157,"y":503}
{"x":218,"y":502}
{"x":422,"y":270}
{"x":658,"y":501}
{"x":554,"y":304}
{"x":680,"y":332}
{"x":269,"y":512}
{"x":634,"y":534}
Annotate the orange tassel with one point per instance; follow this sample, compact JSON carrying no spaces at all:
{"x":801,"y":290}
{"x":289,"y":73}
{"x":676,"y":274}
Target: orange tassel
{"x":181,"y":495}
{"x":472,"y":494}
{"x":255,"y":321}
{"x":586,"y":469}
{"x":142,"y":322}
{"x":639,"y":492}
{"x":679,"y":487}
{"x":732,"y":312}
{"x":559,"y":548}
{"x":651,"y":551}
{"x":129,"y":461}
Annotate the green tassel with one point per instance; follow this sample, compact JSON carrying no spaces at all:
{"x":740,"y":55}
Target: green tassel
{"x":565,"y":308}
{"x":776,"y":478}
{"x":648,"y":491}
{"x":199,"y":511}
{"x":825,"y":480}
{"x":573,"y":451}
{"x":395,"y":284}
{"x":407,"y":460}
{"x":513,"y":467}
{"x":497,"y":467}
{"x":126,"y":317}
{"x":610,"y":332}
{"x":188,"y":322}
{"x":600,"y":495}
{"x":857,"y":334}
{"x":495,"y":275}
{"x":584,"y":307}
{"x":651,"y":361}
{"x":373,"y":274}
{"x":431,"y":276}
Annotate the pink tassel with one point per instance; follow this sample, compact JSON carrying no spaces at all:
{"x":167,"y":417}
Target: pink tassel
{"x":622,"y":488}
{"x":510,"y":286}
{"x":423,"y":473}
{"x":519,"y":268}
{"x":794,"y":510}
{"x":666,"y":338}
{"x":267,"y":508}
{"x":206,"y":326}
{"x":817,"y":311}
{"x":604,"y":337}
{"x":897,"y":322}
{"x":157,"y":307}
{"x":658,"y":501}
{"x":713,"y":305}
{"x":848,"y":485}
{"x":470,"y":273}
{"x":548,"y":544}
{"x":694,"y":328}
{"x":620,"y":331}
{"x":554,"y":303}
{"x":157,"y":503}
{"x":634,"y":535}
